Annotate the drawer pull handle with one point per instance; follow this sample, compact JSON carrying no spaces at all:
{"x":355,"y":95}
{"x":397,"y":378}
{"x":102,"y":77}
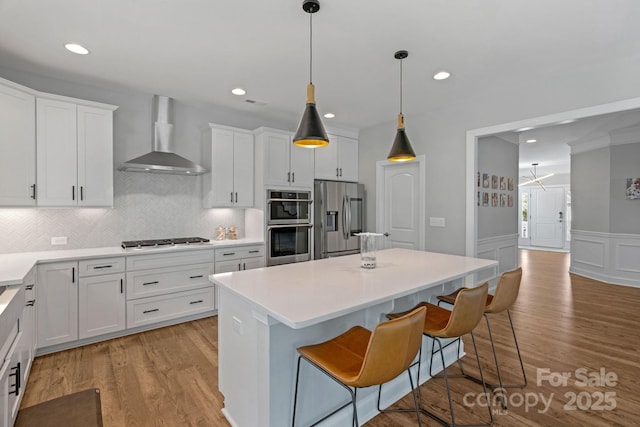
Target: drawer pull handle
{"x":253,"y":252}
{"x":229,"y":253}
{"x":150,"y":283}
{"x":28,"y":287}
{"x":196,"y":302}
{"x":97,"y":267}
{"x":30,"y":303}
{"x":150,"y":311}
{"x":17,"y":375}
{"x":196,"y":277}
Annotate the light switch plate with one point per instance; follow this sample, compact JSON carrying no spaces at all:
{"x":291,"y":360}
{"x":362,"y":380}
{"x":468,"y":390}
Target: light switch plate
{"x":436,"y":222}
{"x":59,"y":240}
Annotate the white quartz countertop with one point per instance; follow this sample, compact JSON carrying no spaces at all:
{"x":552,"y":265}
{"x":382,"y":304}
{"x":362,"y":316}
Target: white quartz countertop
{"x":307,"y":293}
{"x":15,"y":266}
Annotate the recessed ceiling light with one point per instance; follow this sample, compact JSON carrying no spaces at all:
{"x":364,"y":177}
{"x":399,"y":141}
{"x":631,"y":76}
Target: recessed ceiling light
{"x":329,"y":115}
{"x":76,"y":48}
{"x":524,"y":129}
{"x":530,"y":141}
{"x":441,"y":75}
{"x":238,"y":91}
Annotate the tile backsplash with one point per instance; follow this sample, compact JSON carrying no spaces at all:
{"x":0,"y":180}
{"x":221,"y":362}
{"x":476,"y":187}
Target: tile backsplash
{"x":146,"y":206}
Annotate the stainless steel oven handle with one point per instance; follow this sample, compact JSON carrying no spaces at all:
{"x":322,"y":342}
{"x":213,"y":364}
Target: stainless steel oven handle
{"x":269,"y":227}
{"x":290,"y":200}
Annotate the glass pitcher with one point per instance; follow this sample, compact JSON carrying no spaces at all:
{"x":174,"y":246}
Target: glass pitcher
{"x":368,"y":246}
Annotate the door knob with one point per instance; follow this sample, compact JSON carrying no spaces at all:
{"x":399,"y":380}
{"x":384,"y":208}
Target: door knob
{"x":386,"y":234}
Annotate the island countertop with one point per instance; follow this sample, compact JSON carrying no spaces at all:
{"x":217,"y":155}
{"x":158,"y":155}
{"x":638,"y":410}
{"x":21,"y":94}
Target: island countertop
{"x":307,"y":293}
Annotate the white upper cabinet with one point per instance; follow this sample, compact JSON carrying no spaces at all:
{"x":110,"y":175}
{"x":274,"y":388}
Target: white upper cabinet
{"x":74,"y":152}
{"x":17,"y":145}
{"x":228,"y":154}
{"x":339,"y":160}
{"x":285,"y":165}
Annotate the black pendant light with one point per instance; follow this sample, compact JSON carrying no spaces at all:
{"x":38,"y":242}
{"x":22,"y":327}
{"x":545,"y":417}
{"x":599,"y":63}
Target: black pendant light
{"x":311,"y":133}
{"x":401,"y":150}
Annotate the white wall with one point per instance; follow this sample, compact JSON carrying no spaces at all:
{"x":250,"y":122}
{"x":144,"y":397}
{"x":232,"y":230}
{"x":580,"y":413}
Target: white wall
{"x":146,"y":206}
{"x":441,"y":134}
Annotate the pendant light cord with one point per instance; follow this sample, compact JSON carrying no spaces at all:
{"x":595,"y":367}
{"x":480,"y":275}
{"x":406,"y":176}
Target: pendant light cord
{"x":401,"y":86}
{"x":311,"y":48}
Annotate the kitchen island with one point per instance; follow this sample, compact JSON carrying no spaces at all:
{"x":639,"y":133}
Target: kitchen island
{"x":265,"y":314}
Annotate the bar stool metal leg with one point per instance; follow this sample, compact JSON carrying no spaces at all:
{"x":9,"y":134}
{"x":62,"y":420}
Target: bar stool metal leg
{"x":446,"y":380}
{"x":352,"y":392}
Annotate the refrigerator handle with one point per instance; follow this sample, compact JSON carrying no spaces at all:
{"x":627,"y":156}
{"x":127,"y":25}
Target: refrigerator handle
{"x":345,"y":232}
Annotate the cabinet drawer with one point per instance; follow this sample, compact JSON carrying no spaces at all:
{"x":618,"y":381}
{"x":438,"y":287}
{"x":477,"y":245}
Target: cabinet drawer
{"x":146,"y":283}
{"x":171,"y":306}
{"x":142,"y":262}
{"x":237,"y":252}
{"x":94,"y":267}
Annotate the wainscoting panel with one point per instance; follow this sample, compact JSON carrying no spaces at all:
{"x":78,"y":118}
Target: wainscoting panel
{"x":608,"y":257}
{"x":503,"y":249}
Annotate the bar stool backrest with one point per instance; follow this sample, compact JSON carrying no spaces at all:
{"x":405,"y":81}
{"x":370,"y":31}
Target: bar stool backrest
{"x":506,"y":291}
{"x":467,"y":311}
{"x":392,"y":347}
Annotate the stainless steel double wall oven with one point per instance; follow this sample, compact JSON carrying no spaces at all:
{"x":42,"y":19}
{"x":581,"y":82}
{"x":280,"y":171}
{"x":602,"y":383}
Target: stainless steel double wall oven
{"x":288,"y":226}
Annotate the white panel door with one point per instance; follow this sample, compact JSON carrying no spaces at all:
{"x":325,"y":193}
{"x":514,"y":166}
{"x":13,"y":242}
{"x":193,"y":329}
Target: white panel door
{"x":57,"y":153}
{"x":326,"y":160}
{"x":221,"y":169}
{"x":401,"y":205}
{"x":18,"y":147}
{"x":243,"y":169}
{"x":101,"y":305}
{"x":95,"y":156}
{"x":302,"y":166}
{"x":546,"y":219}
{"x":57,"y":304}
{"x":276,"y":152}
{"x":348,"y":159}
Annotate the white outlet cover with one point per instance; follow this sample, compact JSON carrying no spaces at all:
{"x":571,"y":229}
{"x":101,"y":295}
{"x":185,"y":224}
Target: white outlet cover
{"x":59,"y":240}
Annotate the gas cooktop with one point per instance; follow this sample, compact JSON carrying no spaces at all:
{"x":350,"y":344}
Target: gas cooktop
{"x":162,"y":243}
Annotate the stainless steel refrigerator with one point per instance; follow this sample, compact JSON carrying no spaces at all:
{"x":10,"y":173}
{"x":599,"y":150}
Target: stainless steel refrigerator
{"x":338,"y":216}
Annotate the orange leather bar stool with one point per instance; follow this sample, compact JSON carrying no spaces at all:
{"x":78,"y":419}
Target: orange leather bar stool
{"x":361,"y":358}
{"x":504,"y":297}
{"x":440,"y":324}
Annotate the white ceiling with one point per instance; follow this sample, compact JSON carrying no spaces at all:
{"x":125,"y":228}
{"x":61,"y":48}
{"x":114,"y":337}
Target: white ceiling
{"x":554,"y":144}
{"x":198,"y":50}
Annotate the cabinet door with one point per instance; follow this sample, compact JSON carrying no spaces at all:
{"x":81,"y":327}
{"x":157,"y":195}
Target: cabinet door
{"x":101,"y":305}
{"x":18,"y":147}
{"x":4,"y":392}
{"x":243,"y":169}
{"x":326,"y":160}
{"x":251,"y":263}
{"x":95,"y":156}
{"x":228,"y":266}
{"x":348,"y":159}
{"x":220,"y":189}
{"x":302,"y":166}
{"x":56,"y":153}
{"x":276,"y":152}
{"x":57,"y":306}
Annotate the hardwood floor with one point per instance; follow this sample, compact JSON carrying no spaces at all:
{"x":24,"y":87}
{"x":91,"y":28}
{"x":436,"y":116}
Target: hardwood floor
{"x":168,"y":377}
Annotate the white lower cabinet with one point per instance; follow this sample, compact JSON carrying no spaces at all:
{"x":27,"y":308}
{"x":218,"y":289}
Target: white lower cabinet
{"x":170,"y":306}
{"x":101,"y":305}
{"x":239,"y":258}
{"x":57,"y":306}
{"x":11,"y":386}
{"x":77,"y":300}
{"x":162,"y":287}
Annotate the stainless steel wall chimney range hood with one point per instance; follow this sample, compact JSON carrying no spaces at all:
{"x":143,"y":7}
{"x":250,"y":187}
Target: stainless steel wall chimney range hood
{"x":161,"y":159}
